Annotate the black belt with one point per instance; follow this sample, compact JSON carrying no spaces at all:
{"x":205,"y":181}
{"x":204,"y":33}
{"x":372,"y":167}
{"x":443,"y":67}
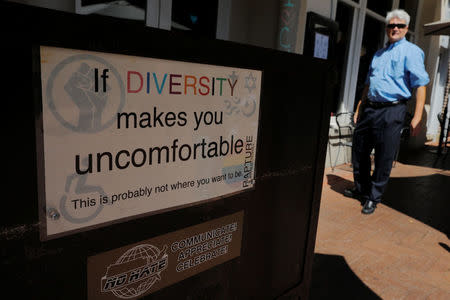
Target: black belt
{"x":385,"y":104}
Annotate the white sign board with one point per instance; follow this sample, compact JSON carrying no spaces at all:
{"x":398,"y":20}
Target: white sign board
{"x":125,"y":136}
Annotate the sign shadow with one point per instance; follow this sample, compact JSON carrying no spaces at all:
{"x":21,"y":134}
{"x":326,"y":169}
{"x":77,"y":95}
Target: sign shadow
{"x":332,"y":278}
{"x":424,"y":198}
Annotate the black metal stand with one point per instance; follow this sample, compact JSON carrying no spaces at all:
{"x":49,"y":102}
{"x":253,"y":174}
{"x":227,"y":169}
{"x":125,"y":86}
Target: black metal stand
{"x":443,"y":117}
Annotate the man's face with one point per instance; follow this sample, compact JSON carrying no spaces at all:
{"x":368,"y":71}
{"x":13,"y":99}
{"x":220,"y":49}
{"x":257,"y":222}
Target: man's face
{"x":395,"y":33}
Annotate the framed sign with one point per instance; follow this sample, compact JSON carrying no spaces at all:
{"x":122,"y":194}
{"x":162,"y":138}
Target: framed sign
{"x":124,"y":136}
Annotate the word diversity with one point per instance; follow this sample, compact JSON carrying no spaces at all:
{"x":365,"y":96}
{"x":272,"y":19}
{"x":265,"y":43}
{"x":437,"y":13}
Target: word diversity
{"x":173,"y":84}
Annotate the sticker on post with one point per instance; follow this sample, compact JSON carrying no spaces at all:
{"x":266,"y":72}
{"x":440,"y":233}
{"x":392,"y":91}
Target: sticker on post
{"x":144,"y":268}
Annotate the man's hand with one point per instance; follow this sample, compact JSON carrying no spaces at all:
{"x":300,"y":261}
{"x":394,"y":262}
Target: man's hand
{"x":355,"y":117}
{"x":415,"y":126}
{"x":358,"y":107}
{"x":421,"y":92}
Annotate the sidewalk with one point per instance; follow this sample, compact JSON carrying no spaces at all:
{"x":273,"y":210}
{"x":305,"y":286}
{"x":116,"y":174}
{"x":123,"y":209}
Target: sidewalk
{"x":402,"y":251}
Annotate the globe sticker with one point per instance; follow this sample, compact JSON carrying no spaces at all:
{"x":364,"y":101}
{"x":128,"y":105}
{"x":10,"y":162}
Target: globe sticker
{"x":135,"y":272}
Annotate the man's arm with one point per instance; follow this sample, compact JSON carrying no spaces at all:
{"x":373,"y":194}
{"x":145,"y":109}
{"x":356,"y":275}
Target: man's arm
{"x":421,"y":93}
{"x":363,"y":98}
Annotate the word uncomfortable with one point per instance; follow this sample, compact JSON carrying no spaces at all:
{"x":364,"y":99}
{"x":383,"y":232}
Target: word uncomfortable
{"x":139,"y":157}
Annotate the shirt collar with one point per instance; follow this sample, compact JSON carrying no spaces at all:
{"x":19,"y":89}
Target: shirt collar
{"x":390,"y":46}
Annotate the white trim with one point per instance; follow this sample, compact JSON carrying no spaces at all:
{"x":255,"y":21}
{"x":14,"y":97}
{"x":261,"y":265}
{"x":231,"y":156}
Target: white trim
{"x":299,"y":45}
{"x":333,"y":9}
{"x":348,"y":72}
{"x":351,"y":3}
{"x":432,"y":128}
{"x":89,"y":9}
{"x":355,"y":61}
{"x":376,"y":16}
{"x":159,"y":14}
{"x":152,"y":14}
{"x":165,"y":14}
{"x":395,"y":4}
{"x":223,"y":19}
{"x":351,"y":74}
{"x":418,"y":16}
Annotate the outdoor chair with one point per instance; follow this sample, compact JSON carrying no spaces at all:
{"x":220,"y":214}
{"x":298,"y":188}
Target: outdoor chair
{"x":346,"y":127}
{"x":345,"y":124}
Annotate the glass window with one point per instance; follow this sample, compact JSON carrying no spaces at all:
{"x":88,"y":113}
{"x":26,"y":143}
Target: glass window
{"x":410,"y":6}
{"x":373,"y":39}
{"x":344,"y":17}
{"x":409,"y":37}
{"x":195,"y":17}
{"x":380,"y":6}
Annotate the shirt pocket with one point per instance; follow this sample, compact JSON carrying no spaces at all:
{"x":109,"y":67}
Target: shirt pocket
{"x":397,"y":68}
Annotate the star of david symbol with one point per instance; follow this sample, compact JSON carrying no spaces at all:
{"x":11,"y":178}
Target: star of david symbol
{"x":250,"y":82}
{"x":233,"y":77}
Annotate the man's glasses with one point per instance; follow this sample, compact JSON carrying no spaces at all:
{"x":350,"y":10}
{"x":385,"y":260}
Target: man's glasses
{"x":392,"y":26}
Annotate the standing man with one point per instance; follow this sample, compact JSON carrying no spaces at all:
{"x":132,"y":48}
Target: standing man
{"x":396,"y":70}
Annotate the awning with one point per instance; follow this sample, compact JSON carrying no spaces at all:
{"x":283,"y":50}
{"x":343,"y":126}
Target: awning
{"x":437,"y":28}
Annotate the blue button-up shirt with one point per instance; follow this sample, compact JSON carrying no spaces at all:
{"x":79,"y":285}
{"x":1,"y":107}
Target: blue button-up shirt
{"x":395,"y":71}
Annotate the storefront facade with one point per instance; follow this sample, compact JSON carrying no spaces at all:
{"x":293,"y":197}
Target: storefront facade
{"x":282,"y":25}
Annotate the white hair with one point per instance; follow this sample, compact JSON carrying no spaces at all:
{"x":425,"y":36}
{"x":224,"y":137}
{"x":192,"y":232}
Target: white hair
{"x":398,"y":13}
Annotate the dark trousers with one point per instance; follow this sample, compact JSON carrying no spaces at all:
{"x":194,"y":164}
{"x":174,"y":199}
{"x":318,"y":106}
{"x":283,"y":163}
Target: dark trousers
{"x":379,"y":129}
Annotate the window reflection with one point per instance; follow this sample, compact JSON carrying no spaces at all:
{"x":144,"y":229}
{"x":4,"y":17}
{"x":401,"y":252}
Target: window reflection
{"x":373,"y":39}
{"x":380,"y":7}
{"x":410,"y":6}
{"x":344,"y":17}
